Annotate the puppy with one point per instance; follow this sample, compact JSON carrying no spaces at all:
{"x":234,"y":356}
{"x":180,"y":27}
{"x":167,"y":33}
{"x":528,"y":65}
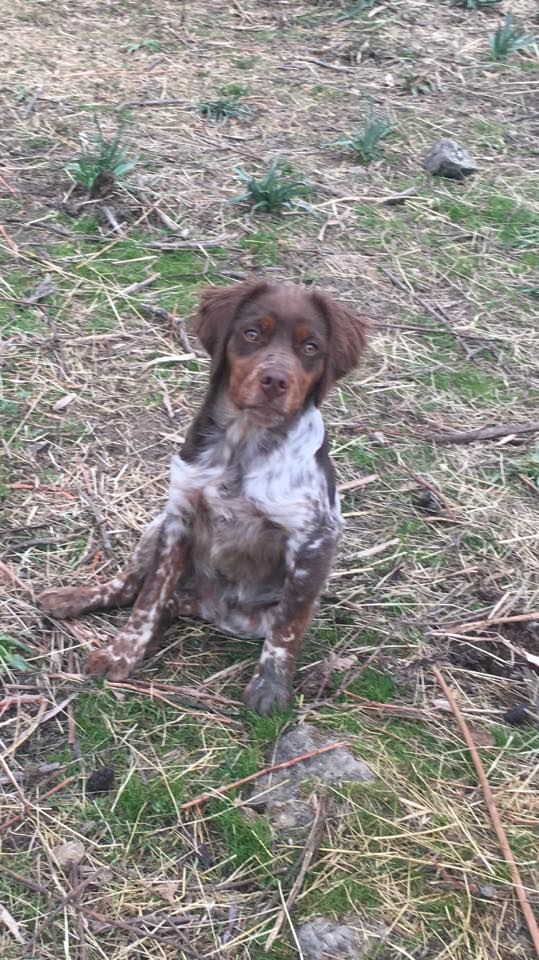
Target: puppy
{"x":248,"y":534}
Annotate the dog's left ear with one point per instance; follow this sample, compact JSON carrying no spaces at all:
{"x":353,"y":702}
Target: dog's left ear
{"x":218,"y":307}
{"x":347,"y":339}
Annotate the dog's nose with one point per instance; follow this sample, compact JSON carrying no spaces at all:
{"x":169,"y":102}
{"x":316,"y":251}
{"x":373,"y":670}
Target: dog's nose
{"x":274,"y":383}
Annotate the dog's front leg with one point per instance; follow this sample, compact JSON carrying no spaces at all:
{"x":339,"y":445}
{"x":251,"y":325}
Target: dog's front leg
{"x":169,"y":562}
{"x":271,"y":685}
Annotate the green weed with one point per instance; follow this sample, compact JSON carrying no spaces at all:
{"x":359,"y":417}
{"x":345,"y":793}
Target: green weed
{"x":365,"y":143}
{"x":101,"y":156}
{"x":356,"y":11}
{"x":224,"y":108}
{"x":278,"y":189}
{"x":153,"y":46}
{"x":474,"y":4}
{"x":506,"y":39}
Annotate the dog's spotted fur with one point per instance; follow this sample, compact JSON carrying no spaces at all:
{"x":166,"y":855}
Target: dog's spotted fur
{"x":249,"y":530}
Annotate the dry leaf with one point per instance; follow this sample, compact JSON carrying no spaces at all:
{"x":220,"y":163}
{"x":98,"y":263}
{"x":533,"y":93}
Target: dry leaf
{"x":64,"y":402}
{"x":168,"y":890}
{"x":11,"y":924}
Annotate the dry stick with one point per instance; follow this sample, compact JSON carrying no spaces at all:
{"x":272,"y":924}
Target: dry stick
{"x":309,"y":852}
{"x":169,"y":102}
{"x":493,"y":812}
{"x":470,"y":626}
{"x":73,"y":894}
{"x":20,"y":816}
{"x":25,"y":881}
{"x":176,"y":323}
{"x":433,"y":489}
{"x":260,"y":773}
{"x":437,"y":312}
{"x":481,"y":433}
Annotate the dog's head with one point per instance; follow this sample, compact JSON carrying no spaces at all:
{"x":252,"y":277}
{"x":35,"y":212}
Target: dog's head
{"x":276,"y":346}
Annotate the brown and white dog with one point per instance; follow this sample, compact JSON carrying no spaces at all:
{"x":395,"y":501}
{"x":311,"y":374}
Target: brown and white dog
{"x":248,"y":533}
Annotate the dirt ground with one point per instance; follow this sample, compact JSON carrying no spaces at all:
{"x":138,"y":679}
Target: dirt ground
{"x":438,"y":567}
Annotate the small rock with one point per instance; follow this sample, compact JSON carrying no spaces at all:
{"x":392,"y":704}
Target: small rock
{"x":428,"y":502}
{"x":68,"y":854}
{"x":100,"y":780}
{"x":335,"y":766}
{"x":323,"y":939}
{"x":447,"y":159}
{"x":517,"y":716}
{"x":290,"y":816}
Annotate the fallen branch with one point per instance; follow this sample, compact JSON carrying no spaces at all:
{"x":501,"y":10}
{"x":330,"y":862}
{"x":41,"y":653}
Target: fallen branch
{"x":60,"y":906}
{"x":437,"y":312}
{"x":11,"y":821}
{"x":260,"y":773}
{"x":473,"y":625}
{"x":482,"y":433}
{"x":432,"y":488}
{"x":309,"y":852}
{"x":493,"y":811}
{"x":355,"y":484}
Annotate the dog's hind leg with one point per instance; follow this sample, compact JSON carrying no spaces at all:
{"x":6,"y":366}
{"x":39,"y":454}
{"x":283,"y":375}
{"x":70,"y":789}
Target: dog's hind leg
{"x":149,"y":615}
{"x":68,"y":602}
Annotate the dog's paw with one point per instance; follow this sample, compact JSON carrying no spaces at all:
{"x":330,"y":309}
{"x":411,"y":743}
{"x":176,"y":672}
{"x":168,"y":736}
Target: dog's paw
{"x":109,"y":663}
{"x":63,"y":602}
{"x":268,"y":691}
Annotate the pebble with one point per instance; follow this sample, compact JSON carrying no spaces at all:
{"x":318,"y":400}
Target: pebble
{"x":446,"y":158}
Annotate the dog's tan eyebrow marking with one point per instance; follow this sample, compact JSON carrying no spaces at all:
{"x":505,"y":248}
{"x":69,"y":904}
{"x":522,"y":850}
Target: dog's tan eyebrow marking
{"x":303,"y":333}
{"x":267,"y":324}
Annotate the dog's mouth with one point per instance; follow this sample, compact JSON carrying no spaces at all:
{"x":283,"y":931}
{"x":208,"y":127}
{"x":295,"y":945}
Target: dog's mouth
{"x":265,"y":413}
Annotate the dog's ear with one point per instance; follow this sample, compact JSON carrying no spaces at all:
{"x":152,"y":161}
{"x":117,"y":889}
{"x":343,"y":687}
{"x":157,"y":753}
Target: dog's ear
{"x":347,"y":339}
{"x":218,"y":307}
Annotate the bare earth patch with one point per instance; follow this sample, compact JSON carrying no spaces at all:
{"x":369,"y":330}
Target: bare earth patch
{"x":438,"y":567}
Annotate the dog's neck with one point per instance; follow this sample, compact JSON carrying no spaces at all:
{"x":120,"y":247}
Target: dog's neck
{"x":237,"y":434}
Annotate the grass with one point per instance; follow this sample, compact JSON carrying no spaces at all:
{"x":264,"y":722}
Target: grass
{"x":101,"y":155}
{"x":506,"y":39}
{"x":280,"y":188}
{"x":414,"y":849}
{"x":365,"y":143}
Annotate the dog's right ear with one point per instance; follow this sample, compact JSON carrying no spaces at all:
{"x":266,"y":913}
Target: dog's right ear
{"x":218,"y":308}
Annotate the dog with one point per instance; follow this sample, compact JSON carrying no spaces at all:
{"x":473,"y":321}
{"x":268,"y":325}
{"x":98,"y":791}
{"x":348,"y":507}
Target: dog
{"x":248,"y":534}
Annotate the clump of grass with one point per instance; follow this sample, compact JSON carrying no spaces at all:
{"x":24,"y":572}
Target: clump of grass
{"x":365,"y":143}
{"x":356,"y":10}
{"x":147,"y":44}
{"x":100,"y":156}
{"x":278,"y":189}
{"x":506,"y":39}
{"x":224,"y":108}
{"x":474,"y":4}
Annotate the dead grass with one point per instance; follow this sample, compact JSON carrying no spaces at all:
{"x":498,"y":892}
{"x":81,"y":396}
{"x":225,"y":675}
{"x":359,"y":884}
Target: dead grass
{"x":96,"y":393}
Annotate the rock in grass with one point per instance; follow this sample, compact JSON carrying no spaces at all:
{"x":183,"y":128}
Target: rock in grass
{"x":517,"y":716}
{"x":446,"y":158}
{"x":68,"y":854}
{"x":324,"y":939}
{"x":100,"y":780}
{"x":282,"y":794}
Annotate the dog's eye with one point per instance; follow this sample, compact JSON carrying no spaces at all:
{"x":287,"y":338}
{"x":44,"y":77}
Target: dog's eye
{"x":251,"y":335}
{"x":310,"y":348}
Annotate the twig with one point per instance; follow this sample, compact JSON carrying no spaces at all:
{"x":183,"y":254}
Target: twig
{"x":73,"y":894}
{"x":482,"y":433}
{"x":99,"y":521}
{"x":167,"y":102}
{"x":156,"y":695}
{"x":327,"y":66}
{"x":9,"y":574}
{"x":175,"y":322}
{"x":355,"y":484}
{"x":493,"y":811}
{"x":20,"y":816}
{"x":435,"y":490}
{"x":50,"y":488}
{"x":25,"y":881}
{"x":135,"y":287}
{"x":31,"y":105}
{"x":109,"y":213}
{"x":438,"y":312}
{"x":187,"y":244}
{"x":260,"y":773}
{"x":309,"y":852}
{"x":471,"y":626}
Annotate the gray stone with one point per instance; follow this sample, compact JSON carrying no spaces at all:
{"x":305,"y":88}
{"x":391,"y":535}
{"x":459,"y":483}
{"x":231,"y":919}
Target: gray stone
{"x":447,"y":159}
{"x":324,"y":939}
{"x":335,"y":766}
